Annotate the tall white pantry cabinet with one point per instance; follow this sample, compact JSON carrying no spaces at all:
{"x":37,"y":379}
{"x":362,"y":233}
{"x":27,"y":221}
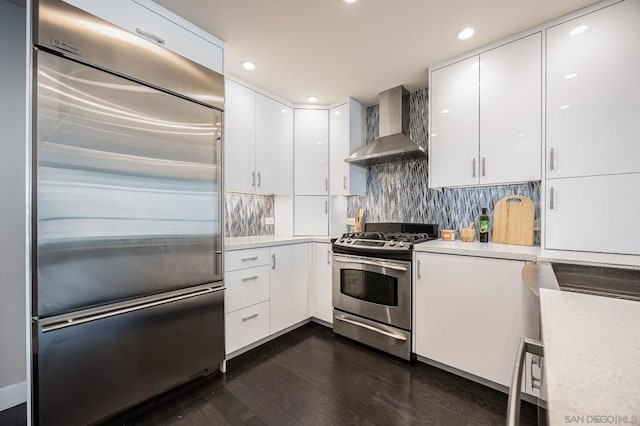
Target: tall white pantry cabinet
{"x":593,"y":127}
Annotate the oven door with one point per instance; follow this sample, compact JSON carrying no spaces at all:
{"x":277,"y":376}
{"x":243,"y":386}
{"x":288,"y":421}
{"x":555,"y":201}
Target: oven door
{"x":378,"y":289}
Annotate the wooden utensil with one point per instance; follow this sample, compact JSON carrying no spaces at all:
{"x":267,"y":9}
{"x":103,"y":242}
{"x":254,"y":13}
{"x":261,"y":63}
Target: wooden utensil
{"x":357,"y":225}
{"x":513,"y":220}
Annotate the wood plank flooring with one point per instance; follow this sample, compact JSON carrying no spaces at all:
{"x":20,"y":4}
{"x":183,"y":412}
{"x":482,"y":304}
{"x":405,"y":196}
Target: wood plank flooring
{"x":311,"y":377}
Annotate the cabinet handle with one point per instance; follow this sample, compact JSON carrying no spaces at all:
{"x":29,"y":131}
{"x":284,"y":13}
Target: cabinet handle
{"x":484,"y":168}
{"x":249,"y":317}
{"x":552,"y":158}
{"x":246,"y":259}
{"x":419,"y":267}
{"x":326,"y":184}
{"x":474,"y":167}
{"x":255,"y":277}
{"x":253,"y":178}
{"x":551,"y":199}
{"x":344,"y":182}
{"x":259,"y":179}
{"x":149,"y":36}
{"x":273,"y":261}
{"x":326,"y":207}
{"x":328,"y":256}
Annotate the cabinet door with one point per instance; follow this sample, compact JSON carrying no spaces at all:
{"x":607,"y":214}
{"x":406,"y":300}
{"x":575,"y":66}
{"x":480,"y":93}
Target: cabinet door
{"x":324,"y":302}
{"x":454,"y":112}
{"x":593,"y":93}
{"x":593,"y":213}
{"x":311,"y":152}
{"x":469,"y":313}
{"x":148,"y":24}
{"x":239,"y":137}
{"x":274,"y":147}
{"x":511,"y":112}
{"x":289,"y":285}
{"x":346,"y":134}
{"x":311,"y":215}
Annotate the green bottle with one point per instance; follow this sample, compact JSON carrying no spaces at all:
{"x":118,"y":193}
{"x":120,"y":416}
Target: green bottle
{"x":484,"y":226}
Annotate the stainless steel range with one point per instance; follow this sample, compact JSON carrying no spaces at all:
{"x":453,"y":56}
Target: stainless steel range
{"x":372,"y":284}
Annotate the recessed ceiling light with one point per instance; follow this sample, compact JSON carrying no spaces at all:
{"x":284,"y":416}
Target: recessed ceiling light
{"x":570,"y":76}
{"x":579,"y":29}
{"x":248,"y":65}
{"x":434,"y":134}
{"x":444,"y":111}
{"x":349,"y":1}
{"x":466,"y":33}
{"x":312,"y":98}
{"x":284,"y":111}
{"x":565,"y":106}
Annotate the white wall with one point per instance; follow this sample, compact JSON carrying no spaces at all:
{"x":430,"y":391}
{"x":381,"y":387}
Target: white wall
{"x":12,"y":204}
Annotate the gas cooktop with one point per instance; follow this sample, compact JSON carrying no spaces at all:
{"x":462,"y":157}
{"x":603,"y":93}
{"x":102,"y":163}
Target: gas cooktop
{"x":386,"y":240}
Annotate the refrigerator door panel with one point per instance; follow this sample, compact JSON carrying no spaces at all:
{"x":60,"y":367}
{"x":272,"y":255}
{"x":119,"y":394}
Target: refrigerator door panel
{"x":129,"y":193}
{"x":105,"y":361}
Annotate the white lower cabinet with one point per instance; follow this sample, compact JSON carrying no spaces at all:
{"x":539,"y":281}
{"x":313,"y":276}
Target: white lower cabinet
{"x":267,"y":291}
{"x":469,"y":313}
{"x":246,"y":326}
{"x":289,"y":278}
{"x":322,"y":275}
{"x":246,"y":287}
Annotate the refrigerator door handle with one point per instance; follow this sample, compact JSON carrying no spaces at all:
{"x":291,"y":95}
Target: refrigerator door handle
{"x":81,"y":319}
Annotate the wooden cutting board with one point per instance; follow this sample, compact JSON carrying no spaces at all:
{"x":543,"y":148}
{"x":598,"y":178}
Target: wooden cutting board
{"x":513,"y":220}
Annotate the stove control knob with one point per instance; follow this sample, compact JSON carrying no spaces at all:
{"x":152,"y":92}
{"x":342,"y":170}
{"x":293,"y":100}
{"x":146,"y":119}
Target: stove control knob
{"x":401,"y":244}
{"x":349,"y":240}
{"x":342,"y":240}
{"x":392,"y":243}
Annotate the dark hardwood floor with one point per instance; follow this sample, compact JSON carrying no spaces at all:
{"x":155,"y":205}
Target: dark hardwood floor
{"x":311,"y":377}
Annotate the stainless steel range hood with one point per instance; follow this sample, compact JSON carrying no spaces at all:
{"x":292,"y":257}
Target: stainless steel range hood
{"x":393,"y":143}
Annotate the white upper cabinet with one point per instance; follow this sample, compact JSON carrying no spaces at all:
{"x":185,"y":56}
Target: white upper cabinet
{"x":311,"y":215}
{"x":156,"y":24}
{"x":347,"y":132}
{"x":511,"y":112}
{"x":239,"y":138}
{"x":486,"y":117}
{"x":311,"y":152}
{"x":258,"y":142}
{"x":454,"y":111}
{"x":274,"y":147}
{"x":593,"y":93}
{"x":580,"y":209}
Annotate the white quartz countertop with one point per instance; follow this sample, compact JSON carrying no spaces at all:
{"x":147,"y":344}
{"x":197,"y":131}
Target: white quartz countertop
{"x":478,"y":249}
{"x":241,"y":243}
{"x":591,"y":358}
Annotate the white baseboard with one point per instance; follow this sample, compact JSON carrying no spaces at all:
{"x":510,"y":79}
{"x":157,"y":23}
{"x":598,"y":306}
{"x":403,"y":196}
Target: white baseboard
{"x":13,"y":395}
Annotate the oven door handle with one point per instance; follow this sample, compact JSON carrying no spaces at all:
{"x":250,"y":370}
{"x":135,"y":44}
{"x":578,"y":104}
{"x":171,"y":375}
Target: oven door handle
{"x":372,"y":328}
{"x":372,"y":263}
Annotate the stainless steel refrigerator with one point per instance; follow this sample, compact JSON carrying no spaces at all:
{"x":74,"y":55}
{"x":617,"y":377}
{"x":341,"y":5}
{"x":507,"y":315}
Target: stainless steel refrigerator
{"x":128,"y":291}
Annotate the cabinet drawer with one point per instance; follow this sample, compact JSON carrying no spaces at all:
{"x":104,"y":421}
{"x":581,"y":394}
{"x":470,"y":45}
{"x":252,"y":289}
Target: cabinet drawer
{"x":246,"y":287}
{"x":246,"y":326}
{"x":242,"y":259}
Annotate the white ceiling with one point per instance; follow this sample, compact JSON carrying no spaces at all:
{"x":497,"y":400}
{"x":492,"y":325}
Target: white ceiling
{"x":334,"y":50}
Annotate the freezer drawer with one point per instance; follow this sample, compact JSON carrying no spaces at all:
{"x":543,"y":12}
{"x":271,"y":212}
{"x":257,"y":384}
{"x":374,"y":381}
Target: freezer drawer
{"x":93,"y":365}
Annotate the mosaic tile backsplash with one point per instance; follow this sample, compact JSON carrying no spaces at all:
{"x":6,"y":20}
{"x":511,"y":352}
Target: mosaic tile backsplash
{"x":245,"y":214}
{"x":397,"y":192}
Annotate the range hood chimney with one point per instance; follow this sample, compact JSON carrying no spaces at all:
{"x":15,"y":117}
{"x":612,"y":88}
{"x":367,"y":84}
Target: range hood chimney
{"x":393,"y":143}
